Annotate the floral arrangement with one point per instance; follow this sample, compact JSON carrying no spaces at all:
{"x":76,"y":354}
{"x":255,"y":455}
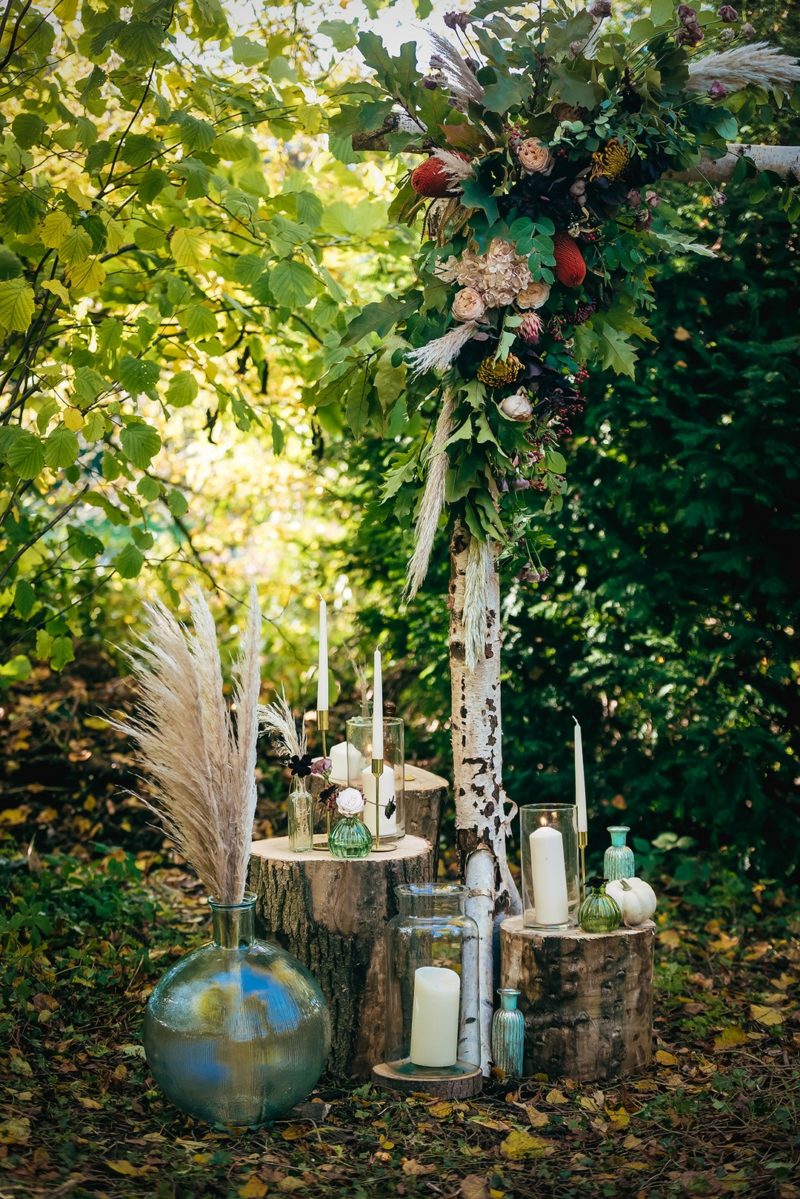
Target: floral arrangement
{"x":291,"y":744}
{"x":545,"y":137}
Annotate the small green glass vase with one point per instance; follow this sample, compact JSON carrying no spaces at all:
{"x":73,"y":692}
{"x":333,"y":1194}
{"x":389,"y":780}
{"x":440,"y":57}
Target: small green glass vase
{"x":618,"y":860}
{"x":350,"y":838}
{"x":508,"y":1035}
{"x":599,"y":913}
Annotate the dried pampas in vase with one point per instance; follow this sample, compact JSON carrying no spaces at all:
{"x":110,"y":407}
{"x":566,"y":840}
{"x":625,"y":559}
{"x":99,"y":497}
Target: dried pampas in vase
{"x":199,"y":766}
{"x":237,"y":1031}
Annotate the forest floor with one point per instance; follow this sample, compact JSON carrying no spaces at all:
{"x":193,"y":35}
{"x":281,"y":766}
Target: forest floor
{"x":94,"y":911}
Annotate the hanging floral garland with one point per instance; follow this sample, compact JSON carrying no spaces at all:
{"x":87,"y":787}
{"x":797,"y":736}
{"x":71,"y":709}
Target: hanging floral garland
{"x":545,"y":138}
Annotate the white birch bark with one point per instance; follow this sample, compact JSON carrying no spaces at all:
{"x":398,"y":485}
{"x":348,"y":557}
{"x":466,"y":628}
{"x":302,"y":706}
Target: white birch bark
{"x":783,"y":160}
{"x":481,"y":827}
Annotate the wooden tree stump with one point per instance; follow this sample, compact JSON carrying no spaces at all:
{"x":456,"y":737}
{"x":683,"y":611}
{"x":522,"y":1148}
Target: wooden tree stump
{"x":463,"y":1086}
{"x":425,"y":794}
{"x":587,"y":998}
{"x":331,"y":913}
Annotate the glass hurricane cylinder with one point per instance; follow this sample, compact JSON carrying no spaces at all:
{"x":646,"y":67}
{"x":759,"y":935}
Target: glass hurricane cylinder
{"x":432,"y":1005}
{"x":385,"y":820}
{"x":300,"y":817}
{"x":618,"y":860}
{"x":550,"y":875}
{"x":237,"y":1032}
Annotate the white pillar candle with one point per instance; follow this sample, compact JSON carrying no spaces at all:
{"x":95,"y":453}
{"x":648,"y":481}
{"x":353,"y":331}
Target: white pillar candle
{"x":387,"y":793}
{"x":580,"y":782}
{"x":549,"y":876}
{"x":434,"y":1016}
{"x":377,"y":708}
{"x":322,"y":664}
{"x":345,"y":763}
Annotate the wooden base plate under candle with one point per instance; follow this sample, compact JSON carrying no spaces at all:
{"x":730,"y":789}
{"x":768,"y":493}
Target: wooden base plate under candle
{"x":443,"y":1083}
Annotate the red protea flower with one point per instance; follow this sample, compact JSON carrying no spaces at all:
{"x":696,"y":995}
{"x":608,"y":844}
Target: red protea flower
{"x":570,"y":267}
{"x":434,"y":177}
{"x":531,"y":328}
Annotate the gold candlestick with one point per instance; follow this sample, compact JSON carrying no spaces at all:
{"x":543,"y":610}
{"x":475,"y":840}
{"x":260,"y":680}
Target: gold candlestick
{"x":323,"y":726}
{"x":583,"y":841}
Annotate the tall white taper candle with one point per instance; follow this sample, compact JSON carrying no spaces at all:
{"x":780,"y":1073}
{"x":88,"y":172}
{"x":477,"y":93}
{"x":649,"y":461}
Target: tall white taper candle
{"x":322,"y":668}
{"x":580,"y":783}
{"x":377,"y":709}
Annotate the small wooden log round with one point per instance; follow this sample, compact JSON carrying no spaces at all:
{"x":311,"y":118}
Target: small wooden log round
{"x":331,"y":913}
{"x":425,"y":794}
{"x":587,"y":998}
{"x":463,"y":1086}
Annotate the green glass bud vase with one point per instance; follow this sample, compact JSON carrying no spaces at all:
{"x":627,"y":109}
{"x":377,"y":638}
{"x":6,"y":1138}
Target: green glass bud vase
{"x":599,"y":913}
{"x":350,"y":838}
{"x":508,"y":1035}
{"x":618,"y":860}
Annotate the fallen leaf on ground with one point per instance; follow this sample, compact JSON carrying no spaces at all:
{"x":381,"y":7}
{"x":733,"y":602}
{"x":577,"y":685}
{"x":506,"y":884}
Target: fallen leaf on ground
{"x":414,"y":1168}
{"x":121,"y":1165}
{"x":15,"y":1131}
{"x":474,"y":1187}
{"x":556,"y":1096}
{"x":765,"y":1015}
{"x":666,"y":1059}
{"x":728,"y":1038}
{"x":254,"y":1188}
{"x":522,"y":1144}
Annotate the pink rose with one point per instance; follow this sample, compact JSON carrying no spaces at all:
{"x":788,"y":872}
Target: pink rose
{"x":534,"y":157}
{"x":468,"y":305}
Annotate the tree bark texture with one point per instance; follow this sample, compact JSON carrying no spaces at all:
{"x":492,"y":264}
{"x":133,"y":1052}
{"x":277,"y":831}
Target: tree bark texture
{"x":464,"y":1086}
{"x":481,"y":827}
{"x":331,"y":914}
{"x":587,"y":998}
{"x":783,"y":160}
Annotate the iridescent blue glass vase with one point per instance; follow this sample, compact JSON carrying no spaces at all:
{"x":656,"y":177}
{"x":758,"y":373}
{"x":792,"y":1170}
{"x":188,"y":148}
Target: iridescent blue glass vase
{"x":618,"y":860}
{"x":508,"y":1035}
{"x":237,"y":1032}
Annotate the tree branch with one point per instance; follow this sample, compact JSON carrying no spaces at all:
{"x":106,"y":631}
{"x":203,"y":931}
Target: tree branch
{"x":782,"y":160}
{"x":62,"y":512}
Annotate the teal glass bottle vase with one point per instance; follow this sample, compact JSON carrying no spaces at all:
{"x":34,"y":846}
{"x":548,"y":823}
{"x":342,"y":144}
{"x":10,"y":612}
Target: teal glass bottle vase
{"x":350,"y":838}
{"x":508,"y":1035}
{"x":238,"y":1031}
{"x":618,"y":860}
{"x":599,"y":912}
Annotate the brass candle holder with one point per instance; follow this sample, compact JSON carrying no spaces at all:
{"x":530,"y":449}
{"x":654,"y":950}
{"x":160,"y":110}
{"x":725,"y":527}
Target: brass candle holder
{"x":321,"y":839}
{"x":583,"y":841}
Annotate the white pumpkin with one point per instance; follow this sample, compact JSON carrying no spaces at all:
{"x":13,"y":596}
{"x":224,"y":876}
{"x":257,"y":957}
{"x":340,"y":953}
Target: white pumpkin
{"x":636,"y":899}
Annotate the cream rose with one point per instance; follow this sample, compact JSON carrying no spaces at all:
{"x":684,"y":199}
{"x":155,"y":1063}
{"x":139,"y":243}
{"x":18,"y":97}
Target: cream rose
{"x":535,"y":157}
{"x":516,"y":407}
{"x":468,"y":305}
{"x":535,"y":295}
{"x":350,"y":802}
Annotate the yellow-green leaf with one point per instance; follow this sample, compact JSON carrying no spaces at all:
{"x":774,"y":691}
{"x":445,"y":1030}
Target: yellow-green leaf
{"x":765,"y":1015}
{"x":57,"y":288}
{"x":186,"y":246}
{"x":76,"y":246}
{"x":54,"y":228}
{"x":16,"y":305}
{"x":88,"y":276}
{"x":521,"y":1144}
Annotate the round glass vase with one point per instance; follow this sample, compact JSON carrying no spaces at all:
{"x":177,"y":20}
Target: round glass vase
{"x":550,"y":875}
{"x":300,"y":817}
{"x":599,"y":913}
{"x":432,"y":1008}
{"x":237,"y":1032}
{"x":618,"y":860}
{"x":508,"y":1035}
{"x":350,"y":838}
{"x":386,"y":819}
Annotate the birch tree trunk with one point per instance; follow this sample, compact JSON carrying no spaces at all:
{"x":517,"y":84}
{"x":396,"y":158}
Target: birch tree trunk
{"x":481,"y":827}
